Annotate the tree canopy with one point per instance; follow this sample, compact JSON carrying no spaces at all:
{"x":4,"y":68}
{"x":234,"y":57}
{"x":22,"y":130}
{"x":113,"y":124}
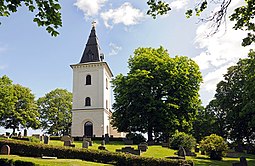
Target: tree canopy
{"x":235,"y":101}
{"x":47,"y":12}
{"x":55,"y":112}
{"x":18,"y":108}
{"x":159,"y":94}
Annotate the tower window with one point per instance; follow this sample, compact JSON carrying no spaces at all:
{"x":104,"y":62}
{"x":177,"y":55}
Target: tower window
{"x":106,"y":83}
{"x":88,"y":80}
{"x":87,"y":101}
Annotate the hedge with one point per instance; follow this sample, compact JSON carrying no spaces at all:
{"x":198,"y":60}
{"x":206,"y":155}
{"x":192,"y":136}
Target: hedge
{"x":10,"y":162}
{"x":31,"y":149}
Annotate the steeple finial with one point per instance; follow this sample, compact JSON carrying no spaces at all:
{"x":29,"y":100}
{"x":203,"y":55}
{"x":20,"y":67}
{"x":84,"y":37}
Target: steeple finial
{"x":94,"y":24}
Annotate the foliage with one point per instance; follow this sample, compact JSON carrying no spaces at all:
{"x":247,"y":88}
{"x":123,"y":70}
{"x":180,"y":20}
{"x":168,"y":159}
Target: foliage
{"x":33,"y":139}
{"x":214,"y":145}
{"x":47,"y":12}
{"x":159,"y":94}
{"x":136,"y":137}
{"x":17,"y":106}
{"x":182,"y":139}
{"x":234,"y":102}
{"x":36,"y":150}
{"x":10,"y":162}
{"x":55,"y":112}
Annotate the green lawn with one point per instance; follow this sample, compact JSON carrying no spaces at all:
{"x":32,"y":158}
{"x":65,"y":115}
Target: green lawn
{"x":153,"y":151}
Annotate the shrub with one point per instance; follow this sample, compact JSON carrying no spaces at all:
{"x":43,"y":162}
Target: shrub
{"x":33,"y":139}
{"x":137,"y":138}
{"x":37,"y":150}
{"x":182,"y":139}
{"x":10,"y":162}
{"x":214,"y":146}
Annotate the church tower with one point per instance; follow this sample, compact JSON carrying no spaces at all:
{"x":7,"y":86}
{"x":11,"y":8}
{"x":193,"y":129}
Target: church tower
{"x":91,"y":93}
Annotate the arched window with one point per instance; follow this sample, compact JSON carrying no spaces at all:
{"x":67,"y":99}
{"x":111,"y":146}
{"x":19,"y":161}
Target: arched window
{"x":88,"y":80}
{"x":87,"y":101}
{"x":106,"y":83}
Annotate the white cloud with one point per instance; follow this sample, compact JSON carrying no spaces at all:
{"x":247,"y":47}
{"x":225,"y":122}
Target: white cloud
{"x":90,"y":7}
{"x":126,"y":14}
{"x":114,"y":49}
{"x":179,"y":4}
{"x":220,"y":51}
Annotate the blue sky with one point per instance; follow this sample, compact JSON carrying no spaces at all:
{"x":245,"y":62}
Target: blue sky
{"x":32,"y":58}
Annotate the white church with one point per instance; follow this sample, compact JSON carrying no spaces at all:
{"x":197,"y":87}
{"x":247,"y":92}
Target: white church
{"x":91,"y":112}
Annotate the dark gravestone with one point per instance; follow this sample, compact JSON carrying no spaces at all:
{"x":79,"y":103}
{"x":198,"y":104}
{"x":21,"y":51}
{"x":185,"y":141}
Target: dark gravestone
{"x":46,"y":139}
{"x":103,"y":143}
{"x":107,"y":138}
{"x":143,"y":147}
{"x":181,"y":152}
{"x":242,"y":162}
{"x":19,"y":135}
{"x":85,"y":144}
{"x":25,"y":132}
{"x":67,"y":143}
{"x":5,"y":150}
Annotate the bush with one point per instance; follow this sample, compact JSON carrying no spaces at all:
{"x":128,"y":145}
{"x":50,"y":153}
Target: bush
{"x":137,"y":138}
{"x":214,"y":146}
{"x":182,"y":139}
{"x":10,"y":162}
{"x":33,"y":139}
{"x":37,"y":150}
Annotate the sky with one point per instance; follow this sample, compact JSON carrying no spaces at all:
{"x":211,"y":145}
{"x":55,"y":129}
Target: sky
{"x":31,"y":57}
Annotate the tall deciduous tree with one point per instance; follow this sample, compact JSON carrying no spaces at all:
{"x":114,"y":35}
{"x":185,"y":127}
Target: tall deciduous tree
{"x":158,"y":95}
{"x":47,"y":12}
{"x":55,"y":112}
{"x":17,"y":106}
{"x":234,"y":96}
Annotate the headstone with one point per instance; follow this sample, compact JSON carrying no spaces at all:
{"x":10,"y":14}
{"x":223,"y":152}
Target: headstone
{"x":181,"y":152}
{"x":85,"y":144}
{"x":101,"y":147}
{"x":88,"y":140}
{"x":129,"y":149}
{"x":19,"y":135}
{"x":67,"y":143}
{"x":66,"y":138}
{"x":243,"y":161}
{"x":41,"y":138}
{"x":46,"y":139}
{"x":143,"y":147}
{"x":25,"y":132}
{"x":7,"y":134}
{"x":103,"y":143}
{"x":107,"y":138}
{"x":5,"y":149}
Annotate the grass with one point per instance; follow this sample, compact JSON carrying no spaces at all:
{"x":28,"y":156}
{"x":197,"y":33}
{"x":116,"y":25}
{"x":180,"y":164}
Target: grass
{"x":53,"y":162}
{"x":153,"y":151}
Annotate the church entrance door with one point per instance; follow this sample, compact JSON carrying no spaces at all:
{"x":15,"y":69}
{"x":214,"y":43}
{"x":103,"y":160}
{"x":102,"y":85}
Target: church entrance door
{"x":88,"y":129}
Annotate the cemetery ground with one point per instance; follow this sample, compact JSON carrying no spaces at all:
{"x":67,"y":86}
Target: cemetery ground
{"x":153,"y":151}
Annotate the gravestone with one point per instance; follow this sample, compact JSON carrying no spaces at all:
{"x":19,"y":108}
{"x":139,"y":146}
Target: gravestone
{"x":181,"y":152}
{"x":88,"y":140}
{"x":67,"y":143}
{"x":103,"y":143}
{"x":5,"y":150}
{"x":129,"y":149}
{"x":243,"y":162}
{"x":41,"y":138}
{"x":85,"y":144}
{"x":46,"y":139}
{"x":66,"y":138}
{"x":107,"y":138}
{"x":25,"y":132}
{"x":7,"y":134}
{"x":143,"y":146}
{"x":19,"y":135}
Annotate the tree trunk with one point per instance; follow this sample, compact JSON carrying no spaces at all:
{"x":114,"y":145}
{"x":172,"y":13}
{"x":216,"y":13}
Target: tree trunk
{"x":150,"y":133}
{"x":13,"y":130}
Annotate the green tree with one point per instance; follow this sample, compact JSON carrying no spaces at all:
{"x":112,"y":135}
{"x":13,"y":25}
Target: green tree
{"x":55,"y":112}
{"x":47,"y":12}
{"x":158,"y":95}
{"x":17,"y":106}
{"x":235,"y":100}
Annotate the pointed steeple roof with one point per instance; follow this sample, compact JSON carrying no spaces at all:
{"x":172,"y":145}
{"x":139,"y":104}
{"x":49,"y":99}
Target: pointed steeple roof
{"x":92,"y":49}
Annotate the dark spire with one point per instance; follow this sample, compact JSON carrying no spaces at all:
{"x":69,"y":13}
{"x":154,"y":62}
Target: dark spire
{"x":92,"y":49}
